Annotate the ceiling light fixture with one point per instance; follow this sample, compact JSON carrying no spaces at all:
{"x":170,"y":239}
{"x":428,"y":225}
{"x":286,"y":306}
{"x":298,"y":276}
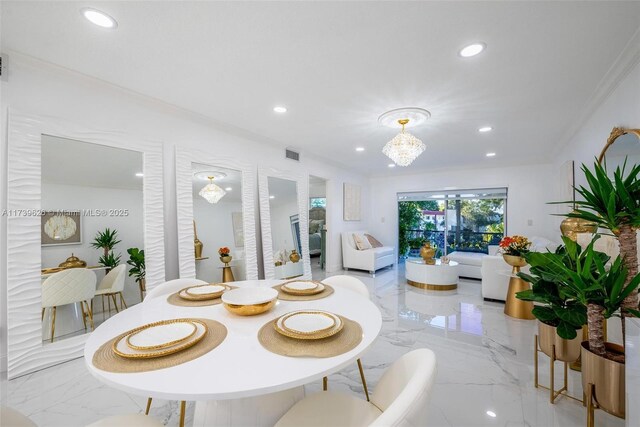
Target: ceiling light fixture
{"x":391,"y":165}
{"x":492,"y":414}
{"x":228,"y":189}
{"x":272,"y":197}
{"x":280,"y":109}
{"x":404,"y":148}
{"x":139,"y":174}
{"x":472,"y":50}
{"x":211,"y":192}
{"x":485,"y":129}
{"x":99,"y":18}
{"x":359,"y":148}
{"x":491,"y":154}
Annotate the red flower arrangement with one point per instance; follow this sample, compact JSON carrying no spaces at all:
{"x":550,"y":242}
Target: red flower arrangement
{"x":514,"y":245}
{"x":225,"y":251}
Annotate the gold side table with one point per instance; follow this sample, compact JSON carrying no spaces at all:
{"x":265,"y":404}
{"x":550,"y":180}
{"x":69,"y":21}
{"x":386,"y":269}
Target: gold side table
{"x":227,"y":274}
{"x":514,"y":307}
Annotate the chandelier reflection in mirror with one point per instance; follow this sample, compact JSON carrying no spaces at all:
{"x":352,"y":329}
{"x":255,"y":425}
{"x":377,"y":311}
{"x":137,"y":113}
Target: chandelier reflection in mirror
{"x":404,"y":148}
{"x":211,"y":192}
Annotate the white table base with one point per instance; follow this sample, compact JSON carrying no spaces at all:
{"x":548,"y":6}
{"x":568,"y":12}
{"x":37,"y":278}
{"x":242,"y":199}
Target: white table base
{"x":433,"y":277}
{"x":259,"y":411}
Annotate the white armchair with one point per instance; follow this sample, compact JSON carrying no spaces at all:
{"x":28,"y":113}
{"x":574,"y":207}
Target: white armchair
{"x":370,"y":260}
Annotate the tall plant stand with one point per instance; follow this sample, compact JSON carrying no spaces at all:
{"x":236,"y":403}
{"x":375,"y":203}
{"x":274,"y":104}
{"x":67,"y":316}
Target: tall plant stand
{"x":553,"y":393}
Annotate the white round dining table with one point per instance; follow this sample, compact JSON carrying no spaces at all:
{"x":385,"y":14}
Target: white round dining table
{"x":239,"y":382}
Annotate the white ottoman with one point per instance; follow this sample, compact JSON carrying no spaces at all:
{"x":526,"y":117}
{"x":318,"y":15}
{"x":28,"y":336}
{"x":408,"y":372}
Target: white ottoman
{"x":433,"y":277}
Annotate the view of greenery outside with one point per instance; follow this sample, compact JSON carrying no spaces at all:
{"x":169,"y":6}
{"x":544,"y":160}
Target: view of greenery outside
{"x":318,"y":202}
{"x":471,"y":225}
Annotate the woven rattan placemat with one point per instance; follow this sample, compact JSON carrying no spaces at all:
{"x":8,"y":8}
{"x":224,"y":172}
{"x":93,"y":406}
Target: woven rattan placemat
{"x":104,"y":358}
{"x":347,"y":339}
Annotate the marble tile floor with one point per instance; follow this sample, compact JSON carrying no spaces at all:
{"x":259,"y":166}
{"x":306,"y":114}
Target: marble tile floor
{"x":485,"y":367}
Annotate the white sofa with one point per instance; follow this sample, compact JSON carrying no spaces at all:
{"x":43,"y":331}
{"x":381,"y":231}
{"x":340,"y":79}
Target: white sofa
{"x":470,"y":263}
{"x":370,"y":260}
{"x":495,"y":271}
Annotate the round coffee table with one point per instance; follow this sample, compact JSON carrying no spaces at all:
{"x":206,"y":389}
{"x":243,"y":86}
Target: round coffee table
{"x":432,"y":277}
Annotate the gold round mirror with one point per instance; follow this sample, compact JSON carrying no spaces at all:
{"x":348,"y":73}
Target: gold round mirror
{"x":622,"y":144}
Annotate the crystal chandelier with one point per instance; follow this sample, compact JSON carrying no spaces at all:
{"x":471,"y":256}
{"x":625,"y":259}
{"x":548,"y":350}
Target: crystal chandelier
{"x":404,"y":148}
{"x":211,"y":192}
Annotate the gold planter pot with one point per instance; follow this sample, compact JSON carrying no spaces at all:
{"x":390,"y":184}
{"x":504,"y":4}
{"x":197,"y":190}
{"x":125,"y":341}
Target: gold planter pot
{"x":557,"y":348}
{"x":603,"y":382}
{"x":514,"y":307}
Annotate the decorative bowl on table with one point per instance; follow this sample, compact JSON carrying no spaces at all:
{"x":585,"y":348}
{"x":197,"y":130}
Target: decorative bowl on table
{"x":249,"y":301}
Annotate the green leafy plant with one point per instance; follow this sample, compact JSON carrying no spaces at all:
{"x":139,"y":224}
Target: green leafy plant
{"x":614,"y":204}
{"x":106,"y":240}
{"x":586,"y":278}
{"x":554,"y":307}
{"x":110,"y":260}
{"x":136,"y":261}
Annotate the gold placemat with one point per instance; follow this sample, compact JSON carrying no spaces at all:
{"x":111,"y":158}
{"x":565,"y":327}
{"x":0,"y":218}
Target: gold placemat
{"x":343,"y":341}
{"x":174,"y":299}
{"x":104,"y":358}
{"x":328,"y":290}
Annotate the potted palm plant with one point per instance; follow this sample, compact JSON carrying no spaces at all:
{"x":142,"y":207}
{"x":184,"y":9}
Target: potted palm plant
{"x":107,"y":240}
{"x":614,"y":205}
{"x":559,"y":316}
{"x":589,"y":278}
{"x":137,"y":270}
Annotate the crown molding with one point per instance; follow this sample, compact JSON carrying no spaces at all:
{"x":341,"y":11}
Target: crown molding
{"x":619,"y":70}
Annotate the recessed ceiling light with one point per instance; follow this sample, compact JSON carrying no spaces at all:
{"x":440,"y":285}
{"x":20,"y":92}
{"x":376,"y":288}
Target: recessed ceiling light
{"x":280,"y":109}
{"x":391,"y":165}
{"x":472,"y":50}
{"x":139,"y":174}
{"x":272,"y":197}
{"x":485,"y":129}
{"x":491,"y":154}
{"x":359,"y":148}
{"x":228,"y":189}
{"x":99,"y":18}
{"x":492,"y":414}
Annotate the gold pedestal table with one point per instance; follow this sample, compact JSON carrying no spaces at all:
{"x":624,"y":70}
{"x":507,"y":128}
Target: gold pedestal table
{"x":513,"y":306}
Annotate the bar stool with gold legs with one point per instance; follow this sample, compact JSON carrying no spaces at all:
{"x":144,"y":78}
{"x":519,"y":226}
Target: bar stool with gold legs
{"x":183,"y":407}
{"x":76,"y":285}
{"x":356,"y":285}
{"x":558,"y":349}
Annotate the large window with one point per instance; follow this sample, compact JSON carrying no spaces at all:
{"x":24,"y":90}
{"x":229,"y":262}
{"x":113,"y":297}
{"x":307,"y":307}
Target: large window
{"x":453,"y":220}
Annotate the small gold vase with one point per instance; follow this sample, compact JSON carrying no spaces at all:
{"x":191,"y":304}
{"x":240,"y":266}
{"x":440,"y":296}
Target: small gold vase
{"x":197,"y":244}
{"x":427,"y":252}
{"x":226,"y":259}
{"x":571,"y":227}
{"x":294,"y":256}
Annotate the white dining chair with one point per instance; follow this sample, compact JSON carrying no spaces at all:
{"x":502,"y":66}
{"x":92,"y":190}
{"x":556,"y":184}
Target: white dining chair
{"x":400,"y":399}
{"x":75,"y":285}
{"x":9,"y":417}
{"x":171,"y":286}
{"x":356,"y":285}
{"x":112,"y":286}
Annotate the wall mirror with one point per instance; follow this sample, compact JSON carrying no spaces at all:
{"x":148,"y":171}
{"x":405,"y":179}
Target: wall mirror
{"x":215,"y":211}
{"x":84,"y":234}
{"x":317,"y":222}
{"x":622,"y":144}
{"x":284,"y":214}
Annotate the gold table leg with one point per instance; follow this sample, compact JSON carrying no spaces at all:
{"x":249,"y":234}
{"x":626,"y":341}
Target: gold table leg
{"x":146,"y":411}
{"x":364,"y":381}
{"x":325,"y":383}
{"x":227,"y":274}
{"x":183,"y":405}
{"x":514,"y":307}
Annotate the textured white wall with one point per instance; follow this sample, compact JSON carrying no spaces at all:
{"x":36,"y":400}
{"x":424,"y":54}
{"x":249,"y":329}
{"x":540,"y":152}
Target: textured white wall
{"x":34,"y":87}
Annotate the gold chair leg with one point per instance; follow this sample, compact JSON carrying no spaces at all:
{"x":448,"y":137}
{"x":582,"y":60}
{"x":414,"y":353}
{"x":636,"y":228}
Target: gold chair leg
{"x":42,"y":318}
{"x":90,"y":315}
{"x":122,"y":302}
{"x":146,"y":411}
{"x":53,"y":323}
{"x":109,"y":304}
{"x":103,"y":315}
{"x":84,"y":315}
{"x":364,"y":382}
{"x":115,"y":302}
{"x":183,"y":405}
{"x":325,"y":383}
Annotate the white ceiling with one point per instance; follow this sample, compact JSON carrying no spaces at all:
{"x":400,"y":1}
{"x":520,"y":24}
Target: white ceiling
{"x":70,"y":162}
{"x":338,"y":65}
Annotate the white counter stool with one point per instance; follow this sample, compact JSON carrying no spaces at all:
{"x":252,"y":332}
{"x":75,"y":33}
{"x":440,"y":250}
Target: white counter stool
{"x":355,"y":285}
{"x":400,"y":399}
{"x":75,"y":285}
{"x":111,"y":286}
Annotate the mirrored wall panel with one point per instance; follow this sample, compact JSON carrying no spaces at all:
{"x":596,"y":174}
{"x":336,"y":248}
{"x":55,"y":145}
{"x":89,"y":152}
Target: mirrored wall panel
{"x":91,"y":233}
{"x":624,"y":148}
{"x":218,"y":226}
{"x":317,"y":222}
{"x":285,"y":228}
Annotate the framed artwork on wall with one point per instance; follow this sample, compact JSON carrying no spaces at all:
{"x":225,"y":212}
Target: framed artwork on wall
{"x":60,"y":228}
{"x":351,"y":203}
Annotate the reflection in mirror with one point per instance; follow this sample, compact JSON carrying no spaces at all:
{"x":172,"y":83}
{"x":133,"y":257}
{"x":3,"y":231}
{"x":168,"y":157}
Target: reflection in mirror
{"x":624,"y":147}
{"x":317,"y":222}
{"x":91,"y":235}
{"x":218,"y":224}
{"x":285,"y":228}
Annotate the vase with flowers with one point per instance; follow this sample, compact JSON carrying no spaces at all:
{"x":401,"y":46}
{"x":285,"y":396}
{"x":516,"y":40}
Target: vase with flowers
{"x":225,"y":255}
{"x":513,"y":248}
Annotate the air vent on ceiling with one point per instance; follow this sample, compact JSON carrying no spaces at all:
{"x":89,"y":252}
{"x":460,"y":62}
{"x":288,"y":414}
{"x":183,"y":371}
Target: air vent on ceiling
{"x":293,"y":155}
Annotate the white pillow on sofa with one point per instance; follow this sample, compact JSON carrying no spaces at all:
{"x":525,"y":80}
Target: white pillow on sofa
{"x":361,"y":241}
